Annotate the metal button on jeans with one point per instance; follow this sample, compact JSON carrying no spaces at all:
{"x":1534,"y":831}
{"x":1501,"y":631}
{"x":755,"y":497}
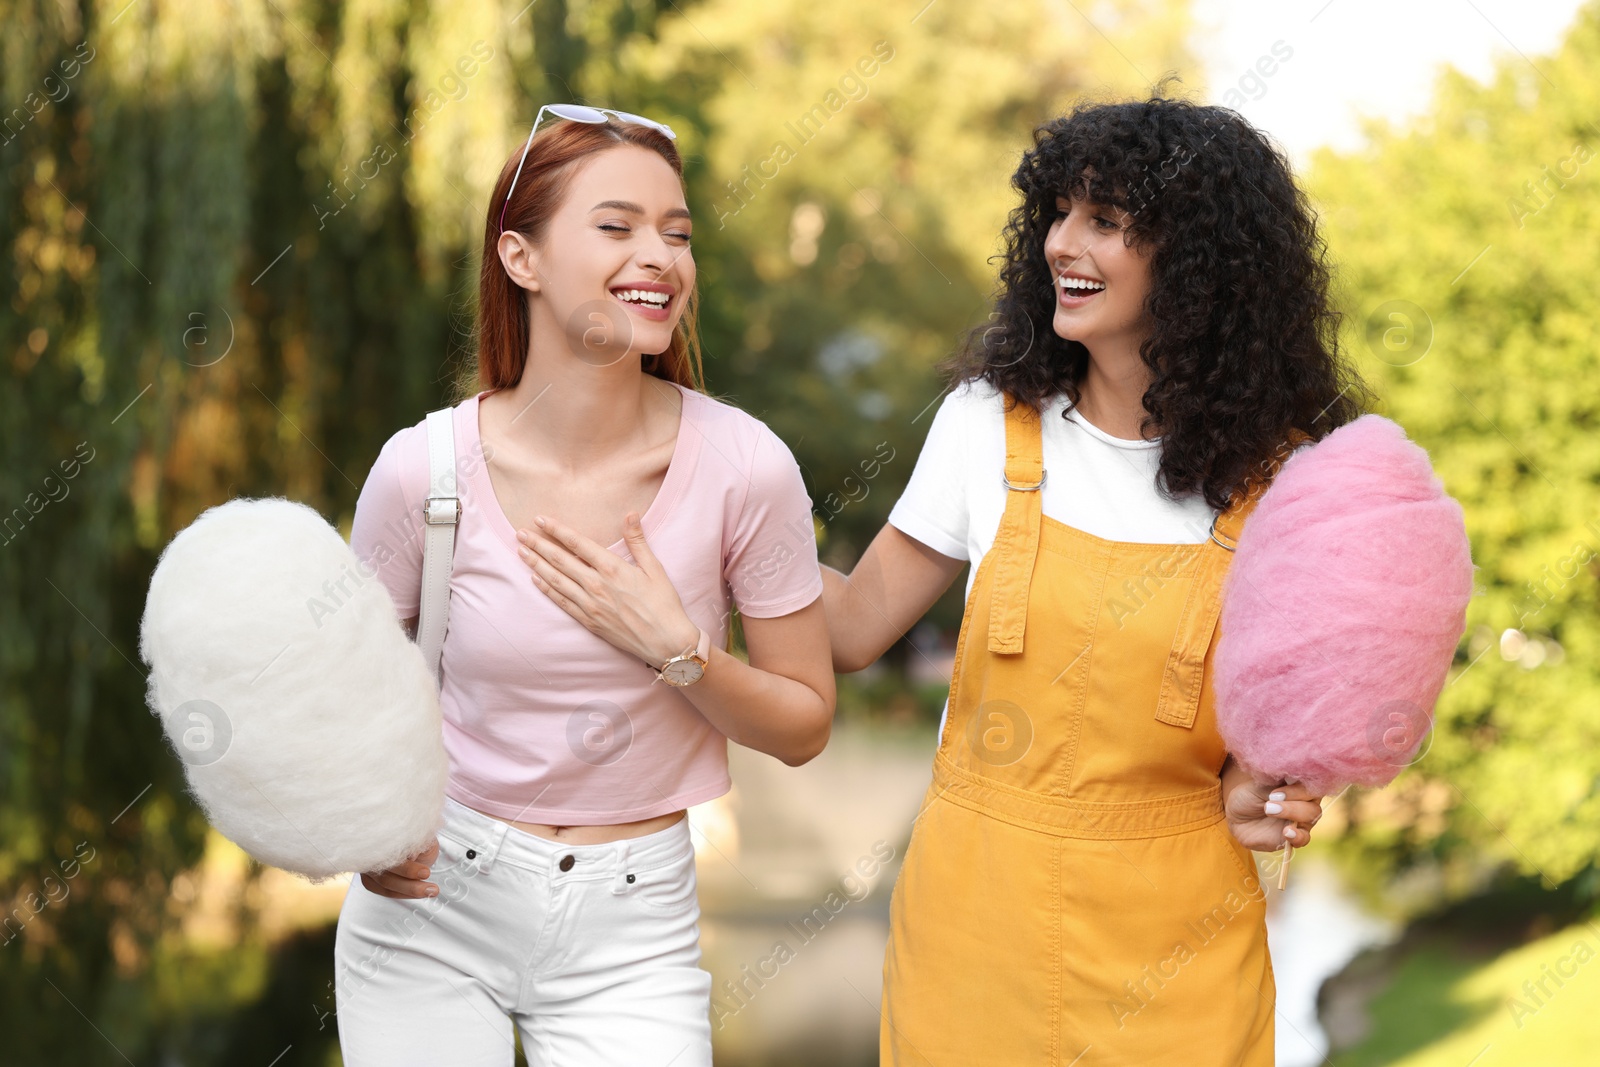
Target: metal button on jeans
{"x":566,"y":862}
{"x":472,"y":853}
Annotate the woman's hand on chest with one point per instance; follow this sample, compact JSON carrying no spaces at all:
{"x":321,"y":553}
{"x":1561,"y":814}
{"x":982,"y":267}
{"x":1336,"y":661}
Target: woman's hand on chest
{"x":633,"y":605}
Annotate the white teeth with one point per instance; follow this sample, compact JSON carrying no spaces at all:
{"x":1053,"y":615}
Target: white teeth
{"x":1080,"y":283}
{"x":643,"y":296}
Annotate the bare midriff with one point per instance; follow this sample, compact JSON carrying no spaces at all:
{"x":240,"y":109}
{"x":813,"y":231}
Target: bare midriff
{"x":596,"y":835}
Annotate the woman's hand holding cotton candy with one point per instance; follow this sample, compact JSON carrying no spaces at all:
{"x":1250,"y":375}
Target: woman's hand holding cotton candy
{"x":406,"y":879}
{"x":633,"y":605}
{"x":1248,"y":806}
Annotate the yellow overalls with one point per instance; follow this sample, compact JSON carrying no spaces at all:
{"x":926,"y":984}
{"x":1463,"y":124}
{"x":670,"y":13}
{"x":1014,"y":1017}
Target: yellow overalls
{"x":1071,"y":893}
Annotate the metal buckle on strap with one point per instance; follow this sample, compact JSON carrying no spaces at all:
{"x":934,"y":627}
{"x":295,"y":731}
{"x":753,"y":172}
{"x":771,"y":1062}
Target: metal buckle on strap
{"x":1026,"y":488}
{"x":1214,"y":537}
{"x":428,"y":512}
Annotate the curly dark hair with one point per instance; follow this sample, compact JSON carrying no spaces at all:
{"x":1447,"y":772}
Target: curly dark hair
{"x":1244,"y":346}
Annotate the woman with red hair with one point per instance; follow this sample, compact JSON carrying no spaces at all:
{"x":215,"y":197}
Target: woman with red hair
{"x":587,"y":692}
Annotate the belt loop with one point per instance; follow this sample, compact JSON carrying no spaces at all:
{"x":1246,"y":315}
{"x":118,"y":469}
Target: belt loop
{"x":619,"y":875}
{"x":491,"y":848}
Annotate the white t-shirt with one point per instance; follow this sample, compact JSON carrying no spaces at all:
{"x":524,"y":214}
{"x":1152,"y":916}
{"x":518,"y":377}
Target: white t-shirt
{"x":1097,"y":483}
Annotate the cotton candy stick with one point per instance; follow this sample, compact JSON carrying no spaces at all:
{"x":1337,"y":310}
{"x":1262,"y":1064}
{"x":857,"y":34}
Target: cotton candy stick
{"x":1288,"y":854}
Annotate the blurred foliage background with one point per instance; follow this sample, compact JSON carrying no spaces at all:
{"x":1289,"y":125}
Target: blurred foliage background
{"x":240,"y":244}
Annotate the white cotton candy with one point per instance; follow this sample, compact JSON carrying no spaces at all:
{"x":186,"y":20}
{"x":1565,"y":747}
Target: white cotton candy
{"x":307,"y":721}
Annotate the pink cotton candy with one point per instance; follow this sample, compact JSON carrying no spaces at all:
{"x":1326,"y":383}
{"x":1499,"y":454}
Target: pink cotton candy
{"x":1342,"y":611}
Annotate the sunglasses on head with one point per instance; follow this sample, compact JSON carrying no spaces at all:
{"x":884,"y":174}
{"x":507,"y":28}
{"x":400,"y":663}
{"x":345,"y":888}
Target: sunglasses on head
{"x":576,"y":113}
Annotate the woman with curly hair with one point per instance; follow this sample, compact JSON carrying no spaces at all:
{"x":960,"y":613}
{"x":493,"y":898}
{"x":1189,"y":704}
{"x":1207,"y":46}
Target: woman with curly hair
{"x":1079,"y":885}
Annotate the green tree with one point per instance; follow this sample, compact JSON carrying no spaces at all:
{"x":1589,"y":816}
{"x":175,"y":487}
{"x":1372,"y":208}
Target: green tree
{"x":1466,"y":242}
{"x":231,"y":266}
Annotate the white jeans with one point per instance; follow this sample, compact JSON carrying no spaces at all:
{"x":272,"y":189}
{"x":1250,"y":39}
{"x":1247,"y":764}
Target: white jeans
{"x":593,"y":951}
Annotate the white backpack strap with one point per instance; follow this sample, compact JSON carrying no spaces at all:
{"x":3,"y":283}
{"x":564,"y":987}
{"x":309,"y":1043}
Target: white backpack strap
{"x":440,"y":513}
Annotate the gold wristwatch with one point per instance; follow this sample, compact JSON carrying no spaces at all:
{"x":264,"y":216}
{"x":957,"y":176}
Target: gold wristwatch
{"x":689,"y":666}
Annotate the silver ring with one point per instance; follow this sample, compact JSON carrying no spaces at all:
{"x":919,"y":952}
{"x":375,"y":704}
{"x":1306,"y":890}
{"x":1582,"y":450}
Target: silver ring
{"x":1026,"y":488}
{"x":1214,"y":519}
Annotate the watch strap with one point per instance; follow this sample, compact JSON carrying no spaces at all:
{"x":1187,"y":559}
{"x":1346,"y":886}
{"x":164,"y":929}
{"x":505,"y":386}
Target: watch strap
{"x":701,"y":652}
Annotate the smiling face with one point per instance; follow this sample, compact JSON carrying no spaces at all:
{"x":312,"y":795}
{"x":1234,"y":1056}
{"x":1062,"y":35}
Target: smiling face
{"x":613,"y":270}
{"x":1101,"y":279}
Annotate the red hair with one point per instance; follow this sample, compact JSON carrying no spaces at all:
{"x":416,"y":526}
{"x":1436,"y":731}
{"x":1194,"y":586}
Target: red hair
{"x":501,"y":330}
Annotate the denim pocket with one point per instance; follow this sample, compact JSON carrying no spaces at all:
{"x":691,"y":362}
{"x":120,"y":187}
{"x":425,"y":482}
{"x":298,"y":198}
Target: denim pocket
{"x":1243,"y":858}
{"x":670,"y":888}
{"x":452,"y":855}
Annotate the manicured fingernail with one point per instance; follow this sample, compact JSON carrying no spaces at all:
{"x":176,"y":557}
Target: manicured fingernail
{"x":1273,"y":809}
{"x":1288,"y":831}
{"x":433,"y":890}
{"x":524,"y":553}
{"x":1276,"y":796}
{"x":540,"y":520}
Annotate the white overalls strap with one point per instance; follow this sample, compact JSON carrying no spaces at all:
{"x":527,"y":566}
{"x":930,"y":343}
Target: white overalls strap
{"x":440,"y":513}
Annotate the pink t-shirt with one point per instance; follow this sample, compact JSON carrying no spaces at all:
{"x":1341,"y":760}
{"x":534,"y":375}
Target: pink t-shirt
{"x":545,"y":721}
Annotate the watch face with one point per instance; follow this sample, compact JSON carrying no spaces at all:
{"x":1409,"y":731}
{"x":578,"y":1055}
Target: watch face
{"x":683,"y":672}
